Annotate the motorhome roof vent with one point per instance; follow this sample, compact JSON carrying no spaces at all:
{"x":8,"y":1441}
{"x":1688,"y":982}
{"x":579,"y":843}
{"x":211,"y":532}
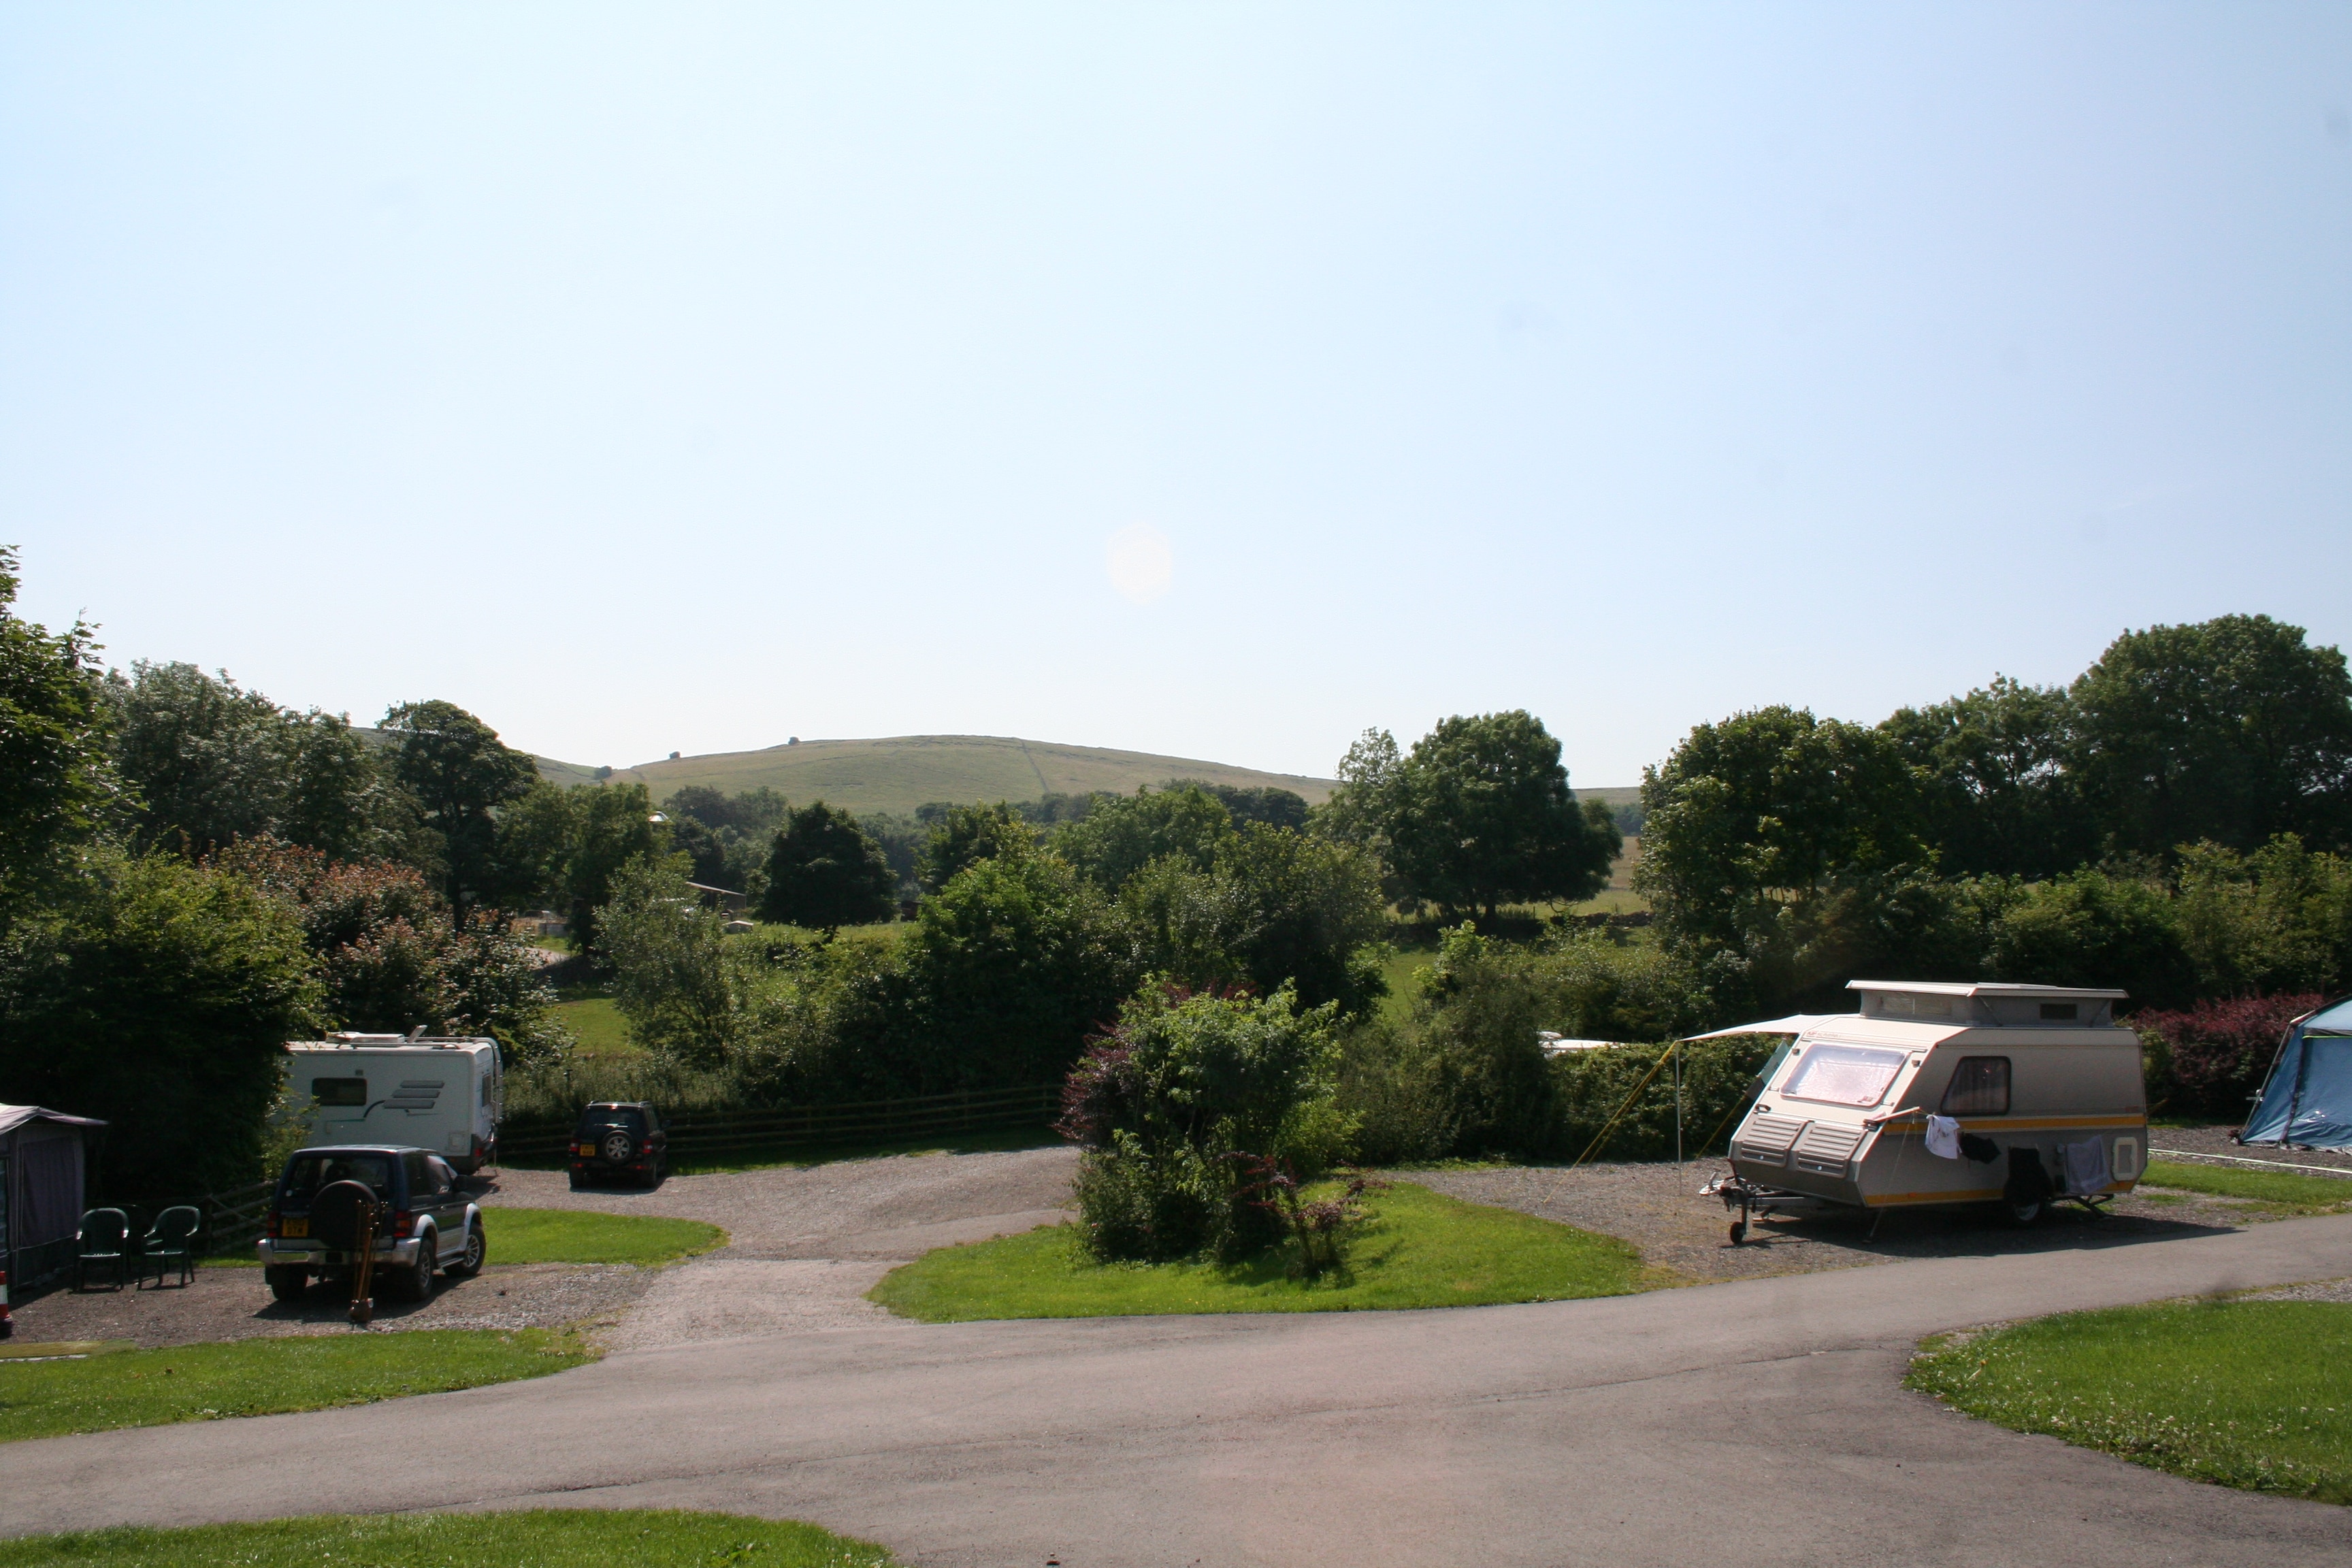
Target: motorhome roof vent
{"x":1987,"y":1003}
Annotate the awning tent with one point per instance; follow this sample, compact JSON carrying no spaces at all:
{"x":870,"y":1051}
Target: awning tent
{"x":2308,"y":1097}
{"x":1794,"y":1024}
{"x":41,"y":1166}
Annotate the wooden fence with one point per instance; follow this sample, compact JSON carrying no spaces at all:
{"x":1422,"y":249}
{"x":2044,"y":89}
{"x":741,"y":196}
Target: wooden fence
{"x":867,"y":1121}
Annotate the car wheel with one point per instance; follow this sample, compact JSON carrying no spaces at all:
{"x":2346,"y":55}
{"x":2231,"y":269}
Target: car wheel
{"x":578,"y":1181}
{"x":414,"y":1283}
{"x":286,"y":1282}
{"x":476,"y":1254}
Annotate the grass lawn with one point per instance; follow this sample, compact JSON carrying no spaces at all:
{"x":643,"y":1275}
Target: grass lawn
{"x":2256,"y":1395}
{"x":576,"y":1538}
{"x":591,"y":1014}
{"x":264,"y":1376}
{"x":1419,"y":1248}
{"x":578,"y":1236}
{"x":2280,"y":1192}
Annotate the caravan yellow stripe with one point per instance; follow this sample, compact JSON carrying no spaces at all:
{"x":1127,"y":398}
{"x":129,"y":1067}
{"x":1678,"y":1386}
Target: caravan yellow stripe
{"x":2019,"y":1124}
{"x":1887,"y":1200}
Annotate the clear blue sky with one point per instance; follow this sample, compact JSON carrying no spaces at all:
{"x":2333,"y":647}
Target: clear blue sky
{"x":683,"y":377}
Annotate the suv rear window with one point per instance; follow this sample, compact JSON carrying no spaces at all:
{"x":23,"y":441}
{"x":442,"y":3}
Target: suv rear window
{"x":597,"y":1118}
{"x":309,"y":1172}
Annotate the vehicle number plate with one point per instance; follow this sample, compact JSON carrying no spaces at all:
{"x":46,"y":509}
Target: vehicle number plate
{"x":295,"y":1228}
{"x":587,"y":1148}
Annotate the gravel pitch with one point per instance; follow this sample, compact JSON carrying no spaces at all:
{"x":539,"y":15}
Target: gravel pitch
{"x":1657,"y":1208}
{"x":233,"y":1304}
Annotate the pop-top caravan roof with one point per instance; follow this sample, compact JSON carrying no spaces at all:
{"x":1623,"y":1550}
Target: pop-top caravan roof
{"x":2308,"y":1098}
{"x":1972,"y":1004}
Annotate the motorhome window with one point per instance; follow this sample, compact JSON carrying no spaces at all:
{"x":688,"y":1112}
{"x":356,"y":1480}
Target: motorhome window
{"x":1843,"y":1075}
{"x":338,"y":1090}
{"x":2060,"y":1012}
{"x":1980,"y":1087}
{"x":309,"y":1172}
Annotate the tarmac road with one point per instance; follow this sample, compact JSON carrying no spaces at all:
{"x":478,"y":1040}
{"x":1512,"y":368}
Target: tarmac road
{"x":1758,"y":1422}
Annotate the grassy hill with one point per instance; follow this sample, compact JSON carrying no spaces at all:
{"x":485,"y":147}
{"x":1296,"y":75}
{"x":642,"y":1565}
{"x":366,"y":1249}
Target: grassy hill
{"x":908,"y":770}
{"x":905,"y":771}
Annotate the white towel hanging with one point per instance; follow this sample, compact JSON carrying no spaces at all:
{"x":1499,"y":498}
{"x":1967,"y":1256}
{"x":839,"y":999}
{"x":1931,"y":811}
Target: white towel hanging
{"x":1944,"y":1136}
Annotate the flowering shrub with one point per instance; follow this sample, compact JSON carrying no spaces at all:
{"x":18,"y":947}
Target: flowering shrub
{"x":1184,"y":1082}
{"x":1320,"y":1228}
{"x":2218,"y":1051}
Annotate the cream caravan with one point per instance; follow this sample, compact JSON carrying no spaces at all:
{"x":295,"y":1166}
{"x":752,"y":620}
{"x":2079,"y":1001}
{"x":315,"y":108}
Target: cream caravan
{"x":444,"y":1095}
{"x":2021,"y":1095}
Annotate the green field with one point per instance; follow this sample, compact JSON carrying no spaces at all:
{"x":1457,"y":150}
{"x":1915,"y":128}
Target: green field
{"x":1418,"y":1249}
{"x":266,"y":1376}
{"x":540,"y":1538}
{"x":591,"y":1016}
{"x":2256,"y":1395}
{"x":2282,"y":1192}
{"x":583,"y":1235}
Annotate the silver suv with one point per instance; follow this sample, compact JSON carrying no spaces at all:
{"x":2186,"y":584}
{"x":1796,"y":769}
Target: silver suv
{"x":427,"y":1222}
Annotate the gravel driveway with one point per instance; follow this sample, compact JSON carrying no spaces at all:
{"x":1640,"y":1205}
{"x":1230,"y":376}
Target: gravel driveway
{"x":805,"y":1245}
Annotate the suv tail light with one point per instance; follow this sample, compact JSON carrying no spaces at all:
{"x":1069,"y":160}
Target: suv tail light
{"x":401,"y":1220}
{"x":273,"y":1227}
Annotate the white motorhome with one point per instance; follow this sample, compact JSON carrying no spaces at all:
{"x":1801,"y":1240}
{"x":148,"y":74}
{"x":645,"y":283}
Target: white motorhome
{"x":442,"y":1095}
{"x":2021,"y":1095}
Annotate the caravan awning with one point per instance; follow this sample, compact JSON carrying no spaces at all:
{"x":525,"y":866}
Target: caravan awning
{"x":1794,"y":1024}
{"x":15,"y":1116}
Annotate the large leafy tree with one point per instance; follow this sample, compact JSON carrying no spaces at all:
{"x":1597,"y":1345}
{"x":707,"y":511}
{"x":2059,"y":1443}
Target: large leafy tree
{"x":824,"y":871}
{"x":1766,"y":810}
{"x":158,"y":997}
{"x":460,"y":775}
{"x":968,"y":834}
{"x":56,"y":779}
{"x":1478,"y":815}
{"x":2232,"y":730}
{"x":1120,"y":835}
{"x":212,"y":763}
{"x":1996,"y":791}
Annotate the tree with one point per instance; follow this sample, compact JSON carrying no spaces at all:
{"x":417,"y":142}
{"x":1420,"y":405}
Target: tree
{"x":212,"y":763}
{"x":1277,"y":908}
{"x":57,"y":780}
{"x":1274,"y":806}
{"x":1763,"y":810}
{"x":1996,"y":793}
{"x":824,"y":871}
{"x":968,"y":834}
{"x":1122,"y":834}
{"x":1010,"y":967}
{"x":1479,"y":814}
{"x":611,"y":826}
{"x":2232,"y":730}
{"x":460,"y":774}
{"x":158,"y":999}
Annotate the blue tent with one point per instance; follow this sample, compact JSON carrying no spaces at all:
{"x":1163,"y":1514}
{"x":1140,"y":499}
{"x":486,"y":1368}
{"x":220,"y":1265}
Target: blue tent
{"x":2308,"y":1098}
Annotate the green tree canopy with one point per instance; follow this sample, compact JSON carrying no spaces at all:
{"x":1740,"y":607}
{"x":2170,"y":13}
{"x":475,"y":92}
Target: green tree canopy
{"x":459,"y":774}
{"x":56,"y":778}
{"x":1478,"y":815}
{"x":157,"y":998}
{"x":211,"y":762}
{"x":968,"y":834}
{"x":1120,"y":835}
{"x":824,"y":871}
{"x":1764,"y":810}
{"x":1997,"y":793}
{"x":1277,"y":908}
{"x":2232,"y":730}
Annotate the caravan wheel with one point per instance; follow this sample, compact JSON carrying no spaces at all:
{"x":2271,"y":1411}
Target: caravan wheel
{"x":2022,"y":1212}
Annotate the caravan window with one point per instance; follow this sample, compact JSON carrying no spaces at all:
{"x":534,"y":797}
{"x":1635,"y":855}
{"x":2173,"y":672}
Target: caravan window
{"x":338,"y":1090}
{"x":1843,"y":1075}
{"x":1980,"y":1087}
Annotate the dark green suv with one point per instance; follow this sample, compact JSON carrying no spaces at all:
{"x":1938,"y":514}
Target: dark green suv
{"x":619,"y":1139}
{"x":427,"y":1221}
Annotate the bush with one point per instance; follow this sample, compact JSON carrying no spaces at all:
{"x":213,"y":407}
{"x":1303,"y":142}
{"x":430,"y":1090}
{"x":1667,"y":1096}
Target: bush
{"x":2218,"y":1053}
{"x":1163,"y":1103}
{"x":2090,"y":928}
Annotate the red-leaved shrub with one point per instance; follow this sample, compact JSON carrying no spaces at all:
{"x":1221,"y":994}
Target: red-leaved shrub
{"x":2221,"y":1050}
